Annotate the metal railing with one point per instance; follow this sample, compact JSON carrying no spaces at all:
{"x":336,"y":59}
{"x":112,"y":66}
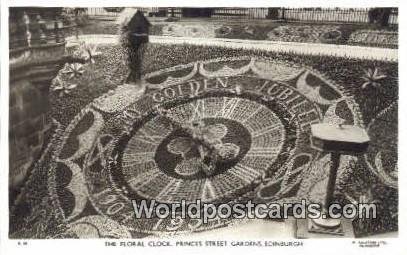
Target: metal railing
{"x":360,"y":15}
{"x":344,"y":15}
{"x":101,"y":12}
{"x":104,"y":12}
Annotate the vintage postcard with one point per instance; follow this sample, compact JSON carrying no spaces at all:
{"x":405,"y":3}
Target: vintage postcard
{"x":202,"y":127}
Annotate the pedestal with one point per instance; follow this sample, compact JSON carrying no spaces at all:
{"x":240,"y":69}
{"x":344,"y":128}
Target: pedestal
{"x":337,"y":140}
{"x":306,"y":228}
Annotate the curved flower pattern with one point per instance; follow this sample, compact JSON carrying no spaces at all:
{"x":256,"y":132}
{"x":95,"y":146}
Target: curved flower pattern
{"x":224,"y":30}
{"x":388,"y":176}
{"x":96,"y":226}
{"x":249,"y":30}
{"x":227,"y":151}
{"x":372,"y":77}
{"x":305,"y":33}
{"x":374,"y":37}
{"x":203,"y":30}
{"x":180,"y":146}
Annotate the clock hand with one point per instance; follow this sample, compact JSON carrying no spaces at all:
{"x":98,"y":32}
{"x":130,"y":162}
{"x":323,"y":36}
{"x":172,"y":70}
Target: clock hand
{"x":187,"y":128}
{"x":213,"y":152}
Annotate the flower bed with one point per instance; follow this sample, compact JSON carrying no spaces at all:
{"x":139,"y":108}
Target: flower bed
{"x":287,"y":32}
{"x":350,"y":73}
{"x":352,"y":34}
{"x":372,"y":84}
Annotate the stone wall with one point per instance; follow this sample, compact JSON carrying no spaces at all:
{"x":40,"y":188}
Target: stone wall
{"x":29,"y":124}
{"x":37,"y":52}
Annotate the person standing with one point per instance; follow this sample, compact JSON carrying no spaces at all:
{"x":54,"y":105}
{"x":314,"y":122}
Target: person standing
{"x":134,"y":37}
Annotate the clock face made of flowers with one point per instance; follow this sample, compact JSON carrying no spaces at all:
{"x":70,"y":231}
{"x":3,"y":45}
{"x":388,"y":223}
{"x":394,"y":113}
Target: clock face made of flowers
{"x":220,"y":131}
{"x":208,"y":147}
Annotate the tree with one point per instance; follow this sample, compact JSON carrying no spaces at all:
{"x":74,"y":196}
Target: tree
{"x":379,"y":16}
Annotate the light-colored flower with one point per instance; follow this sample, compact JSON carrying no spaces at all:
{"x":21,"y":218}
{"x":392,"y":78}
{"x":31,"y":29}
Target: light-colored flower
{"x":249,"y":30}
{"x":58,"y":85}
{"x":372,"y":77}
{"x":73,"y":70}
{"x":87,"y":51}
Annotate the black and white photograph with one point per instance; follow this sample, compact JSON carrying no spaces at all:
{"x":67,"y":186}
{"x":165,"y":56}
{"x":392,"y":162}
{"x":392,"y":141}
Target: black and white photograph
{"x":201,"y":127}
